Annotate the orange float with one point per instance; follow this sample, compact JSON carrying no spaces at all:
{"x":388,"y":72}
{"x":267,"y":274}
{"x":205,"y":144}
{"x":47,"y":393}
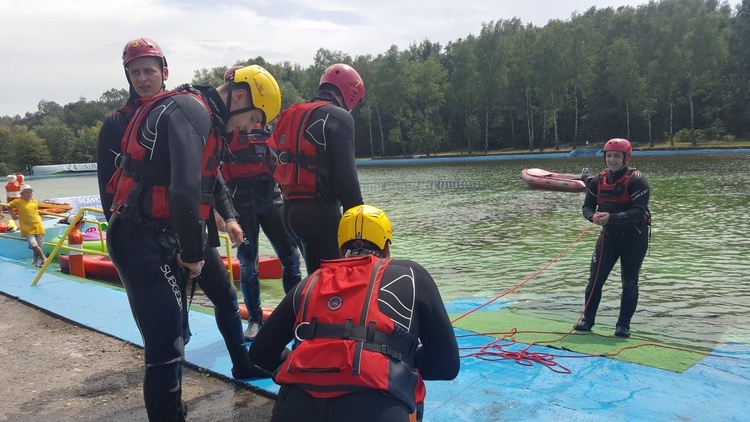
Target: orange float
{"x":75,"y":242}
{"x":266,"y":312}
{"x":269,"y":268}
{"x":102,"y":267}
{"x":96,"y":267}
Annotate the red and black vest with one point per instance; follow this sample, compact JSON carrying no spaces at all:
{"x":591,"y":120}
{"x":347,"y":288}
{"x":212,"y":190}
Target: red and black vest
{"x":248,"y":157}
{"x":298,"y":162}
{"x":615,"y":196}
{"x":136,"y":171}
{"x":344,"y":343}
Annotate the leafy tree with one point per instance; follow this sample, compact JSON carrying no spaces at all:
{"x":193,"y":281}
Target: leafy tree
{"x":57,"y":136}
{"x":463,"y":91}
{"x":25,"y":148}
{"x":84,"y":145}
{"x":85,"y":113}
{"x":114,"y":98}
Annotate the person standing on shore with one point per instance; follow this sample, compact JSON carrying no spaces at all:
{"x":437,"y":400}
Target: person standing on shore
{"x":316,"y":164}
{"x":165,"y":192}
{"x":25,"y":210}
{"x":616,"y":199}
{"x":247,"y":168}
{"x":381,"y":320}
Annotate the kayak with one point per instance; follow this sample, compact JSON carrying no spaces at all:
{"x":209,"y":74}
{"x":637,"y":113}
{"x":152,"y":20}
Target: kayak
{"x":562,"y":182}
{"x":101,"y":267}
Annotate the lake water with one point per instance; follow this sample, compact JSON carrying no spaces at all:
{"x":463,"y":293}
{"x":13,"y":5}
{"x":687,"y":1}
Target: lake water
{"x":480,"y":231}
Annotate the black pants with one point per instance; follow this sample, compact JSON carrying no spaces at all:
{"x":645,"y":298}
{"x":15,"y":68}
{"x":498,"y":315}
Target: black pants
{"x":295,"y":405}
{"x":630,"y":248}
{"x":219,"y":289}
{"x":147,"y":263}
{"x":314,"y":225}
{"x":155,"y":285}
{"x":257,"y":210}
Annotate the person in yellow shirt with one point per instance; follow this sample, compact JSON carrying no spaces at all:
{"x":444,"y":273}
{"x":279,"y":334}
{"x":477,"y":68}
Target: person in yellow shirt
{"x":25,"y":210}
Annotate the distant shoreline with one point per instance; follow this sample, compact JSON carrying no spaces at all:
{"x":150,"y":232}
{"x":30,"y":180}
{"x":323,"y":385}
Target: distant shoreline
{"x":492,"y":156}
{"x":575,"y":153}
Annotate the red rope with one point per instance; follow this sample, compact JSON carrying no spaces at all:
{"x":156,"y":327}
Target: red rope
{"x":529,"y":278}
{"x":494,"y":350}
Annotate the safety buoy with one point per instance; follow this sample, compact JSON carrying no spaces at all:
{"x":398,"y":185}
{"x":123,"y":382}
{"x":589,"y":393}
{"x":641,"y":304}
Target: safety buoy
{"x":12,"y":188}
{"x":75,"y":242}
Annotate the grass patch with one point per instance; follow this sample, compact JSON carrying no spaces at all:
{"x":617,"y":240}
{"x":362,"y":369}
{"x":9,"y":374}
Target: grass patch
{"x":601,"y":341}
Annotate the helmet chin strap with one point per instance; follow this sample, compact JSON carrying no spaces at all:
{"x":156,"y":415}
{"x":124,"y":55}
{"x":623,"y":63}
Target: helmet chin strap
{"x":230,"y":113}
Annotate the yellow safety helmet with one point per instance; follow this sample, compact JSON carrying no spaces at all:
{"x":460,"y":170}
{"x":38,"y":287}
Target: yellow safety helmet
{"x":365,"y":222}
{"x":264,"y":90}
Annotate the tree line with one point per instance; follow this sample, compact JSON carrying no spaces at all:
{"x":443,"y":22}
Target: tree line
{"x":670,"y":71}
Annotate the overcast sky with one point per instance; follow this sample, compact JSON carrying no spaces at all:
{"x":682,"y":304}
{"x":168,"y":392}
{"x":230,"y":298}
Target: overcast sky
{"x":63,"y":50}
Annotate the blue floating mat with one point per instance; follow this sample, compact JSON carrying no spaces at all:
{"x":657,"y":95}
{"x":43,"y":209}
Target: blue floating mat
{"x":596,"y":389}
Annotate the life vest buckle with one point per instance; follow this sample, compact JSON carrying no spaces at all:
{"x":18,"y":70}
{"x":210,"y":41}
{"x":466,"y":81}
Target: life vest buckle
{"x":296,"y":330}
{"x":281,"y":160}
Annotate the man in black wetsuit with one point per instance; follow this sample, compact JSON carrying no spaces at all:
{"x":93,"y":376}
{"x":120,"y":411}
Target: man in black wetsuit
{"x":146,"y":71}
{"x":368,"y":330}
{"x":316,"y":166}
{"x":616,"y":199}
{"x":165,"y":191}
{"x":247,"y":168}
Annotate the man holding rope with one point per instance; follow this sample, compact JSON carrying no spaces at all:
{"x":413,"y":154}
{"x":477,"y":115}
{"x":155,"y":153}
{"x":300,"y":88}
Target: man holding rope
{"x":617,"y":200}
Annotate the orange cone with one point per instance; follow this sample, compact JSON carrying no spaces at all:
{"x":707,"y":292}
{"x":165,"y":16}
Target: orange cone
{"x":75,"y":241}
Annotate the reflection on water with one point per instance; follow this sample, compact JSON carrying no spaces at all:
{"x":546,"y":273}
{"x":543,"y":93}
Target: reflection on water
{"x":488,"y":232}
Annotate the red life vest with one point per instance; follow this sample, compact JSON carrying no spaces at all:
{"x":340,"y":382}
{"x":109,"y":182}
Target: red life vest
{"x":298,"y":163}
{"x":344,"y":342}
{"x":128,"y":182}
{"x":615,"y":196}
{"x":248,"y":157}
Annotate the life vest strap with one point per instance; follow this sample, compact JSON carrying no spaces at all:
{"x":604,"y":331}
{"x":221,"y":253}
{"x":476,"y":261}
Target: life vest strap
{"x":136,"y":170}
{"x":303,"y":160}
{"x":399,"y":347}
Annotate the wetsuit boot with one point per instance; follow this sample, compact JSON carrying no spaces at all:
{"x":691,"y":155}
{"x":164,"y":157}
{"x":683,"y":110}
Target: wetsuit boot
{"x":622,"y":329}
{"x":587,"y":322}
{"x":254,"y":322}
{"x":242,"y":368}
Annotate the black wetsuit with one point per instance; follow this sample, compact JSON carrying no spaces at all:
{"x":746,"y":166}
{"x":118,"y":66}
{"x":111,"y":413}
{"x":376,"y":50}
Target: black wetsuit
{"x":411,"y":300}
{"x":146,"y":256}
{"x":624,"y":237}
{"x":108,"y":148}
{"x":259,"y":204}
{"x":313,"y":223}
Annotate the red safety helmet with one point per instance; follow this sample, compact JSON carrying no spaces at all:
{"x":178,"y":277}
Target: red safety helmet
{"x":142,"y":47}
{"x":348,"y":81}
{"x":620,"y":145}
{"x":229,"y":74}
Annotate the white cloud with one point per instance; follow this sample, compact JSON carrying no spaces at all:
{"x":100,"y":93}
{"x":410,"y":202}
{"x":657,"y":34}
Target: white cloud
{"x":62,"y":50}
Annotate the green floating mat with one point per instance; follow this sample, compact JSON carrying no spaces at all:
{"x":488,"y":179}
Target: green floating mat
{"x":545,"y":332}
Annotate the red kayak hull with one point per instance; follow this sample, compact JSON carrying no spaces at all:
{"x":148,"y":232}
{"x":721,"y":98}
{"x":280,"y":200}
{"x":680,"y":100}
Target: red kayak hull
{"x":561,"y":182}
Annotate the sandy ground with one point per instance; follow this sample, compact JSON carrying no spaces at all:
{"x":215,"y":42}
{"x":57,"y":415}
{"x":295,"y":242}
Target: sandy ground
{"x":52,"y":370}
